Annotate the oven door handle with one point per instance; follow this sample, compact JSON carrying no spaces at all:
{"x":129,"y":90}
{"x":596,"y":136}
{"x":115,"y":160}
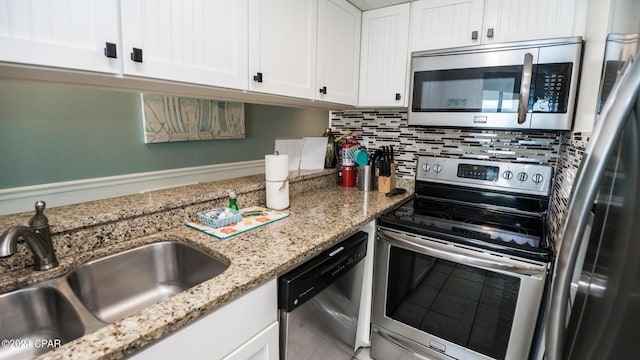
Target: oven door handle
{"x":455,"y":254}
{"x":402,"y":345}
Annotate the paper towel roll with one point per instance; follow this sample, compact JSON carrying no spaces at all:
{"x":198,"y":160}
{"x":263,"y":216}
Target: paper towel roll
{"x":276,"y":167}
{"x":277,"y":194}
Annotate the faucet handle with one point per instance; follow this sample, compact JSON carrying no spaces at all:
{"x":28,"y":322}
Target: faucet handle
{"x":39,"y":220}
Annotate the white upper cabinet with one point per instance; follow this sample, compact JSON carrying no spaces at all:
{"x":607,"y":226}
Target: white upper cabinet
{"x":384,"y":57}
{"x":193,"y":41}
{"x":338,"y":64}
{"x":445,"y":23}
{"x":515,"y":20}
{"x":438,"y":24}
{"x":282,"y":47}
{"x":60,"y":33}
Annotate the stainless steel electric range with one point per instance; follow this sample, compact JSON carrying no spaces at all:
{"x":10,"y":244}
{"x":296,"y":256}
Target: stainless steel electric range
{"x":461,"y":267}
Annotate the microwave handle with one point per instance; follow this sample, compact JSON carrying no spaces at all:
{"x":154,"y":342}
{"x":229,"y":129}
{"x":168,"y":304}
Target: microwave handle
{"x":525,"y":88}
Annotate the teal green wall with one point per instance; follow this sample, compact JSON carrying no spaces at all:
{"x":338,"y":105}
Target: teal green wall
{"x":53,"y":132}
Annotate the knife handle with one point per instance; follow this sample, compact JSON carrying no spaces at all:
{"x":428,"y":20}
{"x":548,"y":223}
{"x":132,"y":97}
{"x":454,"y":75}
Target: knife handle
{"x":396,"y":191}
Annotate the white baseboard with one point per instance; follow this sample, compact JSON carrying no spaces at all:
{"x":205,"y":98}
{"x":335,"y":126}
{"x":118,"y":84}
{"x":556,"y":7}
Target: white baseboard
{"x":21,"y":199}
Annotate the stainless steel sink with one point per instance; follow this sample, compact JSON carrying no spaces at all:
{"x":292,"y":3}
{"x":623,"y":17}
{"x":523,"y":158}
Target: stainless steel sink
{"x":119,"y":285}
{"x":41,"y":317}
{"x":36,"y":320}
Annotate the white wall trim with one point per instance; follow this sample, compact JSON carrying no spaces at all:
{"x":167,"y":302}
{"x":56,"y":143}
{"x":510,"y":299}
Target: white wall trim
{"x":23,"y":198}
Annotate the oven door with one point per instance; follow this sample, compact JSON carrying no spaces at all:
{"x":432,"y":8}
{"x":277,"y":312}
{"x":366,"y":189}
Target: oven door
{"x":444,"y":300}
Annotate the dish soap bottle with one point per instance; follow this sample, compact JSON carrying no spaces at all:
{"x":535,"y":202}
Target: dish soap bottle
{"x":232,"y":201}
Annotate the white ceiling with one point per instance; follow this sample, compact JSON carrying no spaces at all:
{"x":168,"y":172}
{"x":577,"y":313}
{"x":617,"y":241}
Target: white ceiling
{"x":374,"y":4}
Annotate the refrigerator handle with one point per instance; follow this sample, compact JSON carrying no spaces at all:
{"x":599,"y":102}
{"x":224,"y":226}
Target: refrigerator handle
{"x":618,"y":107}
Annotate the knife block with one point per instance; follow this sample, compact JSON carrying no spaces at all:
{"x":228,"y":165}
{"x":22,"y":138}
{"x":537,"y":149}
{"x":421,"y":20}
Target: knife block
{"x":386,"y":183}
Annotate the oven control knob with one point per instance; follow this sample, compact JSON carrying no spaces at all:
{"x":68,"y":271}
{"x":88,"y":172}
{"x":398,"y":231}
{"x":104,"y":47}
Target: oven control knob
{"x":426,"y":167}
{"x":522,"y":176}
{"x":437,"y":168}
{"x":508,"y":175}
{"x":537,"y":178}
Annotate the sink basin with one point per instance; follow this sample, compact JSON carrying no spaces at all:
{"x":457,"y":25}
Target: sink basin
{"x":119,"y":285}
{"x":34,"y":321}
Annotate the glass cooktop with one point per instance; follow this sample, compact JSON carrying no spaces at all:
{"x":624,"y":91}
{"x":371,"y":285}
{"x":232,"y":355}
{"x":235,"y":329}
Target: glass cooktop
{"x":479,"y":219}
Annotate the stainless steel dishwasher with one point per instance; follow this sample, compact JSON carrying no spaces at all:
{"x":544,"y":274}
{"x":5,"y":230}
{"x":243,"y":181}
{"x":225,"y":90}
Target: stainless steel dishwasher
{"x":319,"y":303}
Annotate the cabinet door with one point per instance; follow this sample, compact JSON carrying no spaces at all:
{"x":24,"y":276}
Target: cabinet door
{"x":264,"y":346}
{"x":60,"y":33}
{"x":193,"y":41}
{"x":339,"y":25}
{"x":223,"y":331}
{"x":445,"y":23}
{"x":515,"y":20}
{"x":282,"y":47}
{"x":384,"y":57}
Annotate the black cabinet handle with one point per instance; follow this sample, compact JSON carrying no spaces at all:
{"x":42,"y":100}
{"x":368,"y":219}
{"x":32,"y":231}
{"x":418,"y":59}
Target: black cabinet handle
{"x":398,"y":97}
{"x":490,"y":32}
{"x":323,"y":90}
{"x":136,"y":55}
{"x":257,"y":77}
{"x":474,"y":35}
{"x":110,"y":50}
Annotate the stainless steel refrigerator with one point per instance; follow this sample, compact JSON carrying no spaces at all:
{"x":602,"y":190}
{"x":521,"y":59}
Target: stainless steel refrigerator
{"x":594,"y":310}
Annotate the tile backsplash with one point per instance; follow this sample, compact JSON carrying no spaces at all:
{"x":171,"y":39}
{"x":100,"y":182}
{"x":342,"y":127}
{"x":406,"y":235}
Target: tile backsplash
{"x":572,"y":151}
{"x":379,"y":128}
{"x":560,"y":149}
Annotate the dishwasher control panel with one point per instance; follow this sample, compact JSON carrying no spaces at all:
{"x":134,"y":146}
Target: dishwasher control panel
{"x":310,"y":278}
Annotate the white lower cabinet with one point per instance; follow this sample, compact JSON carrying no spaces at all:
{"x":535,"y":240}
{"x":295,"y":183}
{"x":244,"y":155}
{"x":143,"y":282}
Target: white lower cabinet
{"x":245,"y":328}
{"x":263,"y":346}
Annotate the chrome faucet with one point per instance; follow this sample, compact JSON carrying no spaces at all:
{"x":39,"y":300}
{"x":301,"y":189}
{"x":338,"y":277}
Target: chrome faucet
{"x":37,"y":237}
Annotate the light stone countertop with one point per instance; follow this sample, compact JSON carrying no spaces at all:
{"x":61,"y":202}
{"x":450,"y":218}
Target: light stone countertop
{"x":318,"y":219}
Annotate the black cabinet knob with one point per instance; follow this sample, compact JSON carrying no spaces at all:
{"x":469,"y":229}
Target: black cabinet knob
{"x":490,"y":32}
{"x":136,"y":55}
{"x":398,"y":97}
{"x":474,"y":35}
{"x":323,"y":90}
{"x":110,"y":50}
{"x":257,"y":77}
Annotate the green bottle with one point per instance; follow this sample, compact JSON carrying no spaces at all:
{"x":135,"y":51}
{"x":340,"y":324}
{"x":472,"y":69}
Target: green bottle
{"x":330,"y":159}
{"x":232,"y":201}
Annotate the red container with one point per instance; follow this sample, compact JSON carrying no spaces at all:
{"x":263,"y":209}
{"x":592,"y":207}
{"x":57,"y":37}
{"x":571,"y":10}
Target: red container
{"x":348,"y":176}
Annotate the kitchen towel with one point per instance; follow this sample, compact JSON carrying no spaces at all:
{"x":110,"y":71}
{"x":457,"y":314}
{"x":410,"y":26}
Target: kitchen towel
{"x":252,"y":217}
{"x":276,"y":167}
{"x":277,"y":194}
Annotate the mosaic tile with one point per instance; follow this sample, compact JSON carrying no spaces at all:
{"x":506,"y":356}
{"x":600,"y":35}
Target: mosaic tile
{"x":382,"y":128}
{"x":571,"y":155}
{"x":560,"y":149}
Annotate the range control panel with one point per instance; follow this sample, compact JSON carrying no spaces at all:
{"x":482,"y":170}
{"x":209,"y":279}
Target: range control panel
{"x":480,"y":172}
{"x":515,"y":177}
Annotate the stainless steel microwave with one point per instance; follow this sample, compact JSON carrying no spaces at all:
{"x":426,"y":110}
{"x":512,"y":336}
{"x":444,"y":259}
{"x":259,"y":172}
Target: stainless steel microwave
{"x":519,"y":85}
